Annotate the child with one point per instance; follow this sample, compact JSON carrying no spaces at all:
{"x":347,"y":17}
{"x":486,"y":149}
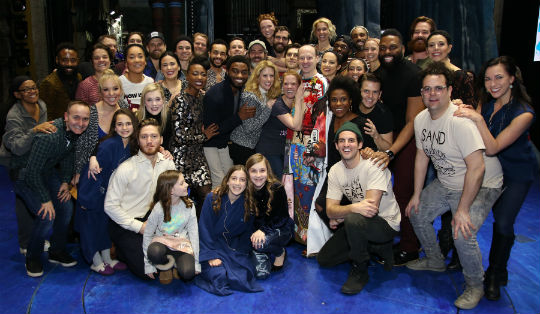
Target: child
{"x":225,"y":227}
{"x":90,"y":218}
{"x":171,"y":234}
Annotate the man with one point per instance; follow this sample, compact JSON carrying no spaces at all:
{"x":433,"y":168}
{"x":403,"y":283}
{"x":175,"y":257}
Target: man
{"x":359,"y":35}
{"x":343,"y":47}
{"x":256,"y":52}
{"x":291,"y":57}
{"x":155,"y":46}
{"x":218,"y":56}
{"x":281,"y":40}
{"x":130,"y":193}
{"x":59,"y":87}
{"x":371,"y":221}
{"x":401,"y":94}
{"x":200,"y":44}
{"x":468,"y":183}
{"x":86,"y":69}
{"x":237,"y":47}
{"x":222,"y":106}
{"x":420,"y":30}
{"x":45,"y":190}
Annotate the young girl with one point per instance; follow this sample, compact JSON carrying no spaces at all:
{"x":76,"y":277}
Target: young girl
{"x":90,"y":218}
{"x":272,"y":221}
{"x":225,"y":228}
{"x":171,"y":233}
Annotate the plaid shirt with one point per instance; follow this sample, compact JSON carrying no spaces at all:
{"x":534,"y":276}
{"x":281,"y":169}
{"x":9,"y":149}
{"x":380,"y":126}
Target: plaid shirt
{"x":47,"y":151}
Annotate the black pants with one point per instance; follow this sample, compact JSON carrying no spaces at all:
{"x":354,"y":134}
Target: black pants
{"x":351,"y":242}
{"x":240,"y":154}
{"x":185,"y":263}
{"x":128,"y":248}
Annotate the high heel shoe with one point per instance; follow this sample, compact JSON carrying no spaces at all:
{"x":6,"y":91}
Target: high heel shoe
{"x":278,"y":268}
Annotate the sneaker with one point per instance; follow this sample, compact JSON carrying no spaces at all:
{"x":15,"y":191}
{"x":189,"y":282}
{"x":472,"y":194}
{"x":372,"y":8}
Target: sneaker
{"x":117,"y":265}
{"x":62,"y":258}
{"x":427,"y":264}
{"x":102,"y":269}
{"x":34,"y":268}
{"x":401,"y":257}
{"x":358,"y":278}
{"x":469,"y":298}
{"x":165,"y":276}
{"x":46,"y":247}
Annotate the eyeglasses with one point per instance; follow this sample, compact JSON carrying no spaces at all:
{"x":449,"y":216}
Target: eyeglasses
{"x":426,"y":90}
{"x":28,"y":89}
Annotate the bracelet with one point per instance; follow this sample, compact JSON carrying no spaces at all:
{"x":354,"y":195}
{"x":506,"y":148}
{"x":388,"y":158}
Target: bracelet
{"x":390,"y":154}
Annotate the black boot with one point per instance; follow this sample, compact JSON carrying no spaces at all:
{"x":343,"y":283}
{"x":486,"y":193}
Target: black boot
{"x":496,"y":274}
{"x":446,"y":242}
{"x":358,"y":278}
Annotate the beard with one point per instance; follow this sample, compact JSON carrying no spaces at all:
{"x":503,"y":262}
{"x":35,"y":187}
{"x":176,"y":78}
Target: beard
{"x":67,"y":72}
{"x":279,"y":48}
{"x":397,"y":60}
{"x":214,"y":64}
{"x":417,"y":45}
{"x":149,"y":151}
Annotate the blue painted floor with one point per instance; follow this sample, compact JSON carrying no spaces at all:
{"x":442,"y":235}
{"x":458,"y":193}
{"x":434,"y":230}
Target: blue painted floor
{"x":302,"y":287}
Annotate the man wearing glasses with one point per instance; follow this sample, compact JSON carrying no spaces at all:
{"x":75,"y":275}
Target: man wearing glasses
{"x":468,"y":183}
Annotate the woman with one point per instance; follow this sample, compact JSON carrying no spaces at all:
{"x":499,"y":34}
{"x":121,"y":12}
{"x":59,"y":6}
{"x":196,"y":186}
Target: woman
{"x":169,"y":64}
{"x":323,"y":33}
{"x":189,"y":133}
{"x":371,"y":48}
{"x":504,"y":120}
{"x":330,"y":65}
{"x":267,"y":27}
{"x":153,"y":105}
{"x":90,"y":218}
{"x":110,"y":88}
{"x":225,"y":229}
{"x":262,"y":88}
{"x":134,"y":80}
{"x":132,"y":38}
{"x":88,"y":90}
{"x":356,"y":68}
{"x":183,"y":49}
{"x":274,"y":228}
{"x":272,"y":140}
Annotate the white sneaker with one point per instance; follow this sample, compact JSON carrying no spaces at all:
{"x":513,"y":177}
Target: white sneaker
{"x":469,"y":298}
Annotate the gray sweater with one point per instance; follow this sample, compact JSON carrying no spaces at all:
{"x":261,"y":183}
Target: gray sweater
{"x":247,"y":134}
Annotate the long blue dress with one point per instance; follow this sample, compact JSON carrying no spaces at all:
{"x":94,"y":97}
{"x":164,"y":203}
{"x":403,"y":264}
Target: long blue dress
{"x":90,"y":218}
{"x":226,"y":236}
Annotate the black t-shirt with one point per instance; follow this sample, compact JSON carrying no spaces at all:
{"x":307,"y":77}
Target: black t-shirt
{"x":382,"y":118}
{"x":398,"y":84}
{"x":272,"y":139}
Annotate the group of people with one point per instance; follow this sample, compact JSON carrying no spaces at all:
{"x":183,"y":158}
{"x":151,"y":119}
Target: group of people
{"x":205,"y":161}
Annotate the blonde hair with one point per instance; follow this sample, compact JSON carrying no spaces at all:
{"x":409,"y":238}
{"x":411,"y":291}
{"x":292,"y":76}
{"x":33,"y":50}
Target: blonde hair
{"x":331,"y":29}
{"x":109,"y":75}
{"x":141,"y":113}
{"x":252,"y":84}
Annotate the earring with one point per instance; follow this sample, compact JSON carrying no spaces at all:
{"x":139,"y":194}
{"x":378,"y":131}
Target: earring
{"x":511,"y":85}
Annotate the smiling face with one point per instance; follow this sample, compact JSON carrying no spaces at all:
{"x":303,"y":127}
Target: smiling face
{"x":390,"y":51}
{"x":290,"y":85}
{"x":180,"y":188}
{"x":438,"y":48}
{"x":112,"y":44}
{"x":359,"y":36}
{"x":67,"y":61}
{"x":199,"y":45}
{"x":436,"y":94}
{"x":256,"y":54}
{"x":322,"y":32}
{"x":267,"y":29}
{"x":153,"y":101}
{"x":169,"y":67}
{"x":77,"y":118}
{"x":123,"y":126}
{"x":340,"y":102}
{"x":28,"y":93}
{"x":329,"y":65}
{"x":258,"y":174}
{"x":371,"y":48}
{"x":356,"y":69}
{"x":281,"y":38}
{"x":239,"y":73}
{"x":497,"y":82}
{"x":237,"y":183}
{"x":421,"y":30}
{"x":266,"y":78}
{"x":237,"y":48}
{"x":307,"y":59}
{"x":135,"y":60}
{"x":183,"y":50}
{"x":218,"y":55}
{"x":371,"y":93}
{"x":111,"y":92}
{"x":149,"y":140}
{"x":291,"y":58}
{"x":341,"y":48}
{"x":100,"y":60}
{"x":348,"y":145}
{"x":156,"y":47}
{"x":196,"y":77}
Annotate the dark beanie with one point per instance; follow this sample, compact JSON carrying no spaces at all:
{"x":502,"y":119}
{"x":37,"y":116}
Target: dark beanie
{"x":17,"y":82}
{"x":349,"y":126}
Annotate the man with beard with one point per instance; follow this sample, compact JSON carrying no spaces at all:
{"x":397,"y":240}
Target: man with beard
{"x":218,"y":56}
{"x":401,"y":94}
{"x":256,"y":52}
{"x":421,"y":27}
{"x":222,"y":106}
{"x":359,"y":35}
{"x":155,"y":47}
{"x":45,"y":188}
{"x":343,"y":47}
{"x":281,"y":40}
{"x":130,"y":193}
{"x":59,"y":87}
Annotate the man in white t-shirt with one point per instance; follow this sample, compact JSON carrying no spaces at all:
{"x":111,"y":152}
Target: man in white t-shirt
{"x":468,"y":183}
{"x":370,"y":222}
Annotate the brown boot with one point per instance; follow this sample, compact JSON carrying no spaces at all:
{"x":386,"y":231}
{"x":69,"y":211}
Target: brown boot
{"x":165,"y":276}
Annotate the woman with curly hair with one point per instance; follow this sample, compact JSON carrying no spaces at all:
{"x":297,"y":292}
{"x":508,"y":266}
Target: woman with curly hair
{"x":225,"y":228}
{"x":323,"y":34}
{"x":267,"y":26}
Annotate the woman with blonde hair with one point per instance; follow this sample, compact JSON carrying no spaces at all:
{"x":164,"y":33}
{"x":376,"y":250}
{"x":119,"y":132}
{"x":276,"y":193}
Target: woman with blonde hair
{"x":261,"y":91}
{"x":323,"y":33}
{"x":153,"y":105}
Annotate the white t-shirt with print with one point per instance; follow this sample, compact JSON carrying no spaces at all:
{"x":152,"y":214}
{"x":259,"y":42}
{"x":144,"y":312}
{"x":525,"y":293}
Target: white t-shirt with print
{"x":133,"y":91}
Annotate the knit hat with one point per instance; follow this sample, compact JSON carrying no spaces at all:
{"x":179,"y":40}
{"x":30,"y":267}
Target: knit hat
{"x":257,"y":42}
{"x":349,"y":126}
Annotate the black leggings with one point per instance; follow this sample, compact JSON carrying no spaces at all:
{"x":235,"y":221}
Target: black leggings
{"x":185,"y":263}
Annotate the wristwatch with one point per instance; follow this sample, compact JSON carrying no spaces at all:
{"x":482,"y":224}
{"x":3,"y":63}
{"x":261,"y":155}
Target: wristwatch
{"x":390,"y":154}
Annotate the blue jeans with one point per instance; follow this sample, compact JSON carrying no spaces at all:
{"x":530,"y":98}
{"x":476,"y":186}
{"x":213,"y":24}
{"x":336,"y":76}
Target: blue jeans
{"x":435,"y":200}
{"x":42,"y":226}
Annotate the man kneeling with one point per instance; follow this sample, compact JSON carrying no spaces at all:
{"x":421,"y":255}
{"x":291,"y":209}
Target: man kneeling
{"x":370,"y":222}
